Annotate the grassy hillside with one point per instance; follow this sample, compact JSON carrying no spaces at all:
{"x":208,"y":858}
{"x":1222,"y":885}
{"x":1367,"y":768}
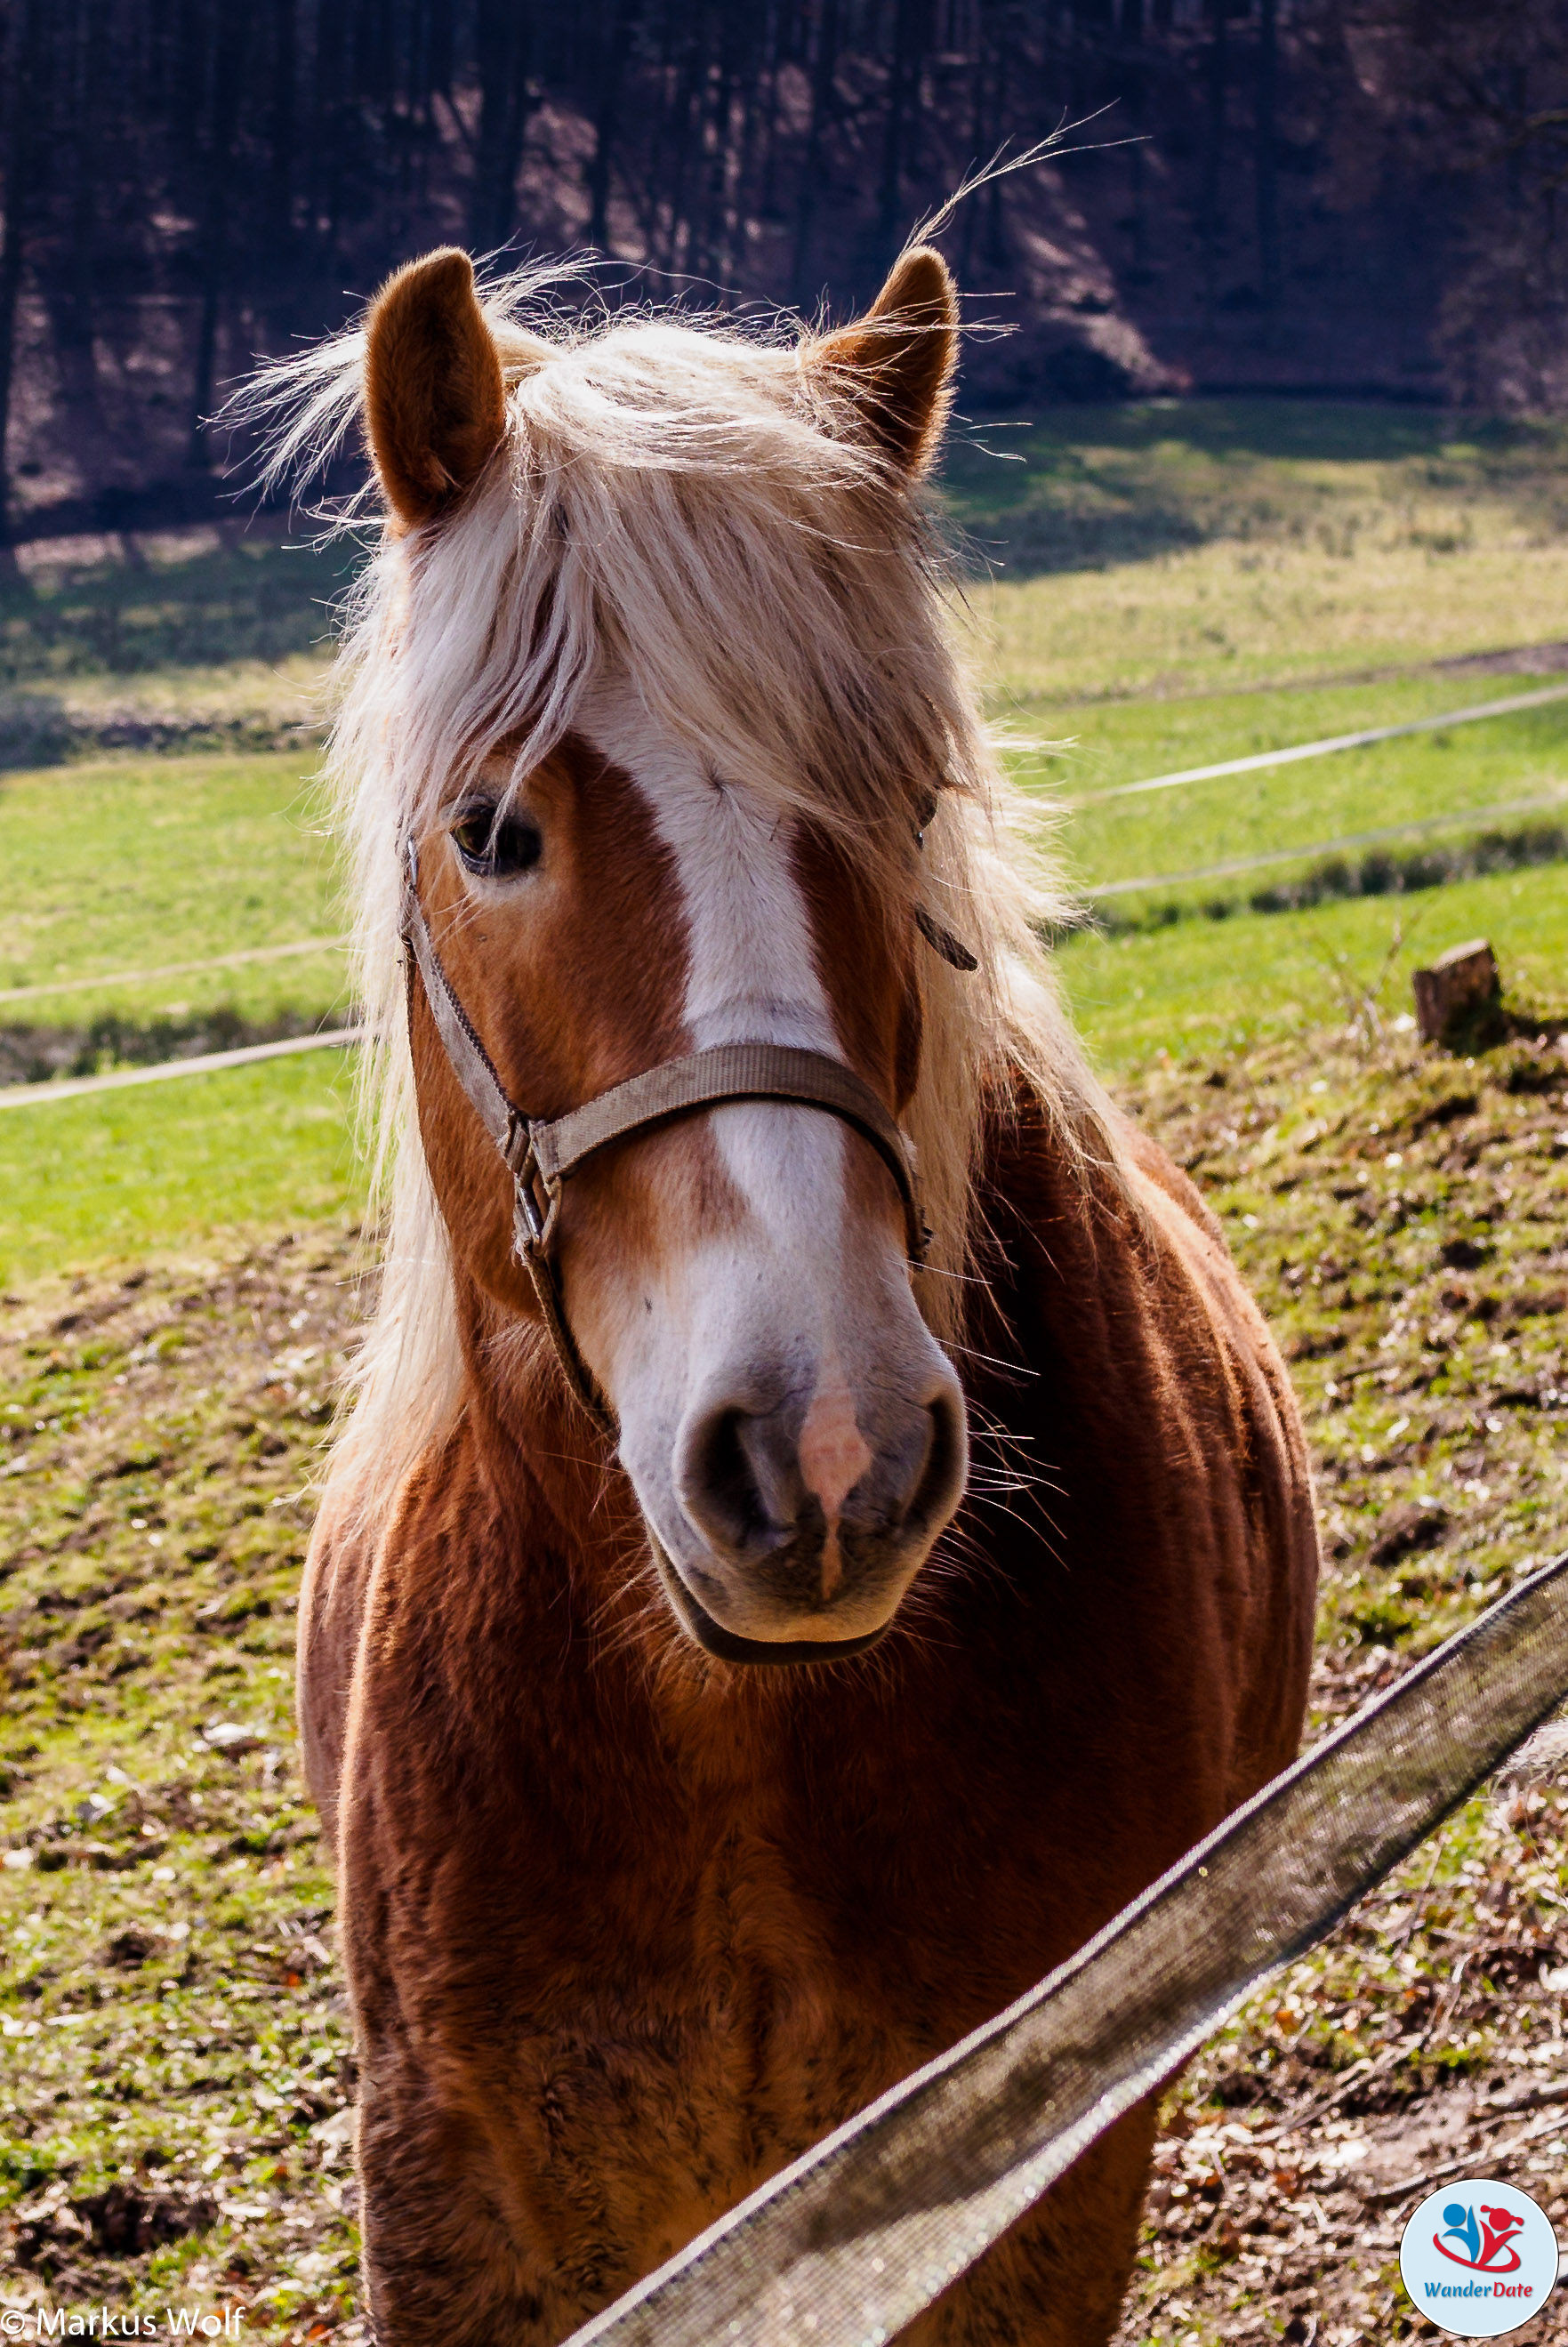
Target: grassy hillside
{"x":1185,"y":584}
{"x":1517,"y":763}
{"x":1185,"y":515}
{"x":1400,"y":1215}
{"x":174,"y":2061}
{"x":165,"y":867}
{"x":135,"y":863}
{"x":1206,"y":986}
{"x":1173,"y":547}
{"x":206,"y":641}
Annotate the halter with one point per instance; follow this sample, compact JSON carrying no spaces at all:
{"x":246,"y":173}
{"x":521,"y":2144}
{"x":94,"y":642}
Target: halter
{"x":539,"y":1153}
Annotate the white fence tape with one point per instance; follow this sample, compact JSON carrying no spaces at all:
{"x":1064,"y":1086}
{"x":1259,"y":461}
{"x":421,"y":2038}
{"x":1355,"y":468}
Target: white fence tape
{"x":40,"y":1096}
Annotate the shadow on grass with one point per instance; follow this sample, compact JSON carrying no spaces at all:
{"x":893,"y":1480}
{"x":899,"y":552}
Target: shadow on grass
{"x":34,"y":1054}
{"x":39,"y":729}
{"x":1110,"y":485}
{"x":259,"y":600}
{"x":1097,"y":485}
{"x":1381,"y":872}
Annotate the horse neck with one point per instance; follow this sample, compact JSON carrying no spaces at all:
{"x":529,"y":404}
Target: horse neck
{"x":546,"y":1463}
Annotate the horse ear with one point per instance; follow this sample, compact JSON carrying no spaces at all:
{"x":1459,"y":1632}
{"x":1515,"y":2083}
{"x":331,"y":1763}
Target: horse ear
{"x":435,"y":405}
{"x":899,"y":358}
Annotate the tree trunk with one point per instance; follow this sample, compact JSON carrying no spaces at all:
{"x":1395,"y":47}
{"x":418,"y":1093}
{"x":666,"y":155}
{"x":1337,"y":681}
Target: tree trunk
{"x":23,"y":61}
{"x":726,"y":165}
{"x":281,"y":186}
{"x":687,"y":111}
{"x":749,"y":43}
{"x":1218,"y":76}
{"x":767,"y":196}
{"x":1007,"y":50}
{"x":902,"y":76}
{"x":228,"y":83}
{"x":67,"y":284}
{"x":980,"y":65}
{"x":607,"y":122}
{"x":503,"y":43}
{"x":1267,"y":165}
{"x":822,"y":86}
{"x":1135,"y":87}
{"x":330,"y":112}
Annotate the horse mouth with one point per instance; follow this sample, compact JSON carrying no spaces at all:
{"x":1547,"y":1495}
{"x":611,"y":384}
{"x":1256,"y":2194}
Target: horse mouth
{"x":730,"y":1646}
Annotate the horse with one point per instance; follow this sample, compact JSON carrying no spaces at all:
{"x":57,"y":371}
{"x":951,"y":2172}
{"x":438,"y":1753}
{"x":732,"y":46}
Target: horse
{"x":819,"y":1522}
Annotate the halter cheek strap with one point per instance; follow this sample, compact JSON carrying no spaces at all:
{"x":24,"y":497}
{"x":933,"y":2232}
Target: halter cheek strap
{"x":541,"y":1153}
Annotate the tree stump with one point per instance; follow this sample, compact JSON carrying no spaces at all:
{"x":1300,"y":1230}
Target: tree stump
{"x":1460,"y":984}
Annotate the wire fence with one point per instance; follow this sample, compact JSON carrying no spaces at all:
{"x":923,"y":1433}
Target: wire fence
{"x":1258,"y":760}
{"x":202,"y":1064}
{"x":1095,"y":891}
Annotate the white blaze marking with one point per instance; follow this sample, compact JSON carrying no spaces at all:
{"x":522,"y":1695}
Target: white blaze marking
{"x":789,"y":1300}
{"x":752,"y":975}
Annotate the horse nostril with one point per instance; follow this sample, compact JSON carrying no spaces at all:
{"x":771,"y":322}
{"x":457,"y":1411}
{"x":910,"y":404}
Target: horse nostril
{"x":941,"y":1483}
{"x":746,"y":1489}
{"x":724,"y":1484}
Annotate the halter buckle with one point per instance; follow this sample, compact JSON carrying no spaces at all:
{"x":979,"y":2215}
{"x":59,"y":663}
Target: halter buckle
{"x":532,"y":1230}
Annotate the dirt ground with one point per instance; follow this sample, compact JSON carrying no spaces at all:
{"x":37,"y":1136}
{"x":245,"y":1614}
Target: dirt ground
{"x":176,"y":2056}
{"x":1404,"y":1216}
{"x":177,"y":2093}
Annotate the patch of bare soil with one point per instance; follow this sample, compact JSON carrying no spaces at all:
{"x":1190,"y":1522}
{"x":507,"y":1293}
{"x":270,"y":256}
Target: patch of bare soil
{"x":1403,"y":1215}
{"x":176,"y":2079}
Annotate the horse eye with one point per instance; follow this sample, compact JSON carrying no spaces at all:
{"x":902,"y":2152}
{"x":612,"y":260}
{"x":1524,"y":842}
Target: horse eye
{"x":496,"y":849}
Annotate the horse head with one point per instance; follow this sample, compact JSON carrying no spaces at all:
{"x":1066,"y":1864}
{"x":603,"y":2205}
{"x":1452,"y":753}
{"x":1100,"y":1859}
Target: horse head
{"x":658,"y":875}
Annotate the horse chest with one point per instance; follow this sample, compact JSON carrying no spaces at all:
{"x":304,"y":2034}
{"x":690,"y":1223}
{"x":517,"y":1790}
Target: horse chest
{"x":722,"y":2034}
{"x":710,"y":1987}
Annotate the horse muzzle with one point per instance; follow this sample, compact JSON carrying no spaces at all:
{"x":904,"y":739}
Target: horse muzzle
{"x":797,"y":1539}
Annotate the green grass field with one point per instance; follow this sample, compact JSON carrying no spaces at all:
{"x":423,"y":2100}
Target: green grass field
{"x":1179,"y":548}
{"x":197,"y":644}
{"x":177,"y":1168}
{"x":140,"y":863}
{"x":1174,"y":584}
{"x":1204,"y":986}
{"x":1465,"y":772}
{"x":181,"y":614}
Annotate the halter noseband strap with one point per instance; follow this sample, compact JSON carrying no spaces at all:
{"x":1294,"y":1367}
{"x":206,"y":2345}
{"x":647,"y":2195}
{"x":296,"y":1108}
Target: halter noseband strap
{"x":540,"y":1154}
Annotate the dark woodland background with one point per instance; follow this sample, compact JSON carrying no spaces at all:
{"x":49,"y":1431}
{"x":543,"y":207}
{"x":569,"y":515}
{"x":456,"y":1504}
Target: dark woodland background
{"x":1359,"y":197}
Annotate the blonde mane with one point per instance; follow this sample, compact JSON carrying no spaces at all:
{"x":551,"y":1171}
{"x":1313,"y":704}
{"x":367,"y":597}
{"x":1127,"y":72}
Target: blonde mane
{"x":700,"y":507}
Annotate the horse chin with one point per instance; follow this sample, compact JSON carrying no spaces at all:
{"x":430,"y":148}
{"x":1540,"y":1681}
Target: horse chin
{"x":730,"y":1646}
